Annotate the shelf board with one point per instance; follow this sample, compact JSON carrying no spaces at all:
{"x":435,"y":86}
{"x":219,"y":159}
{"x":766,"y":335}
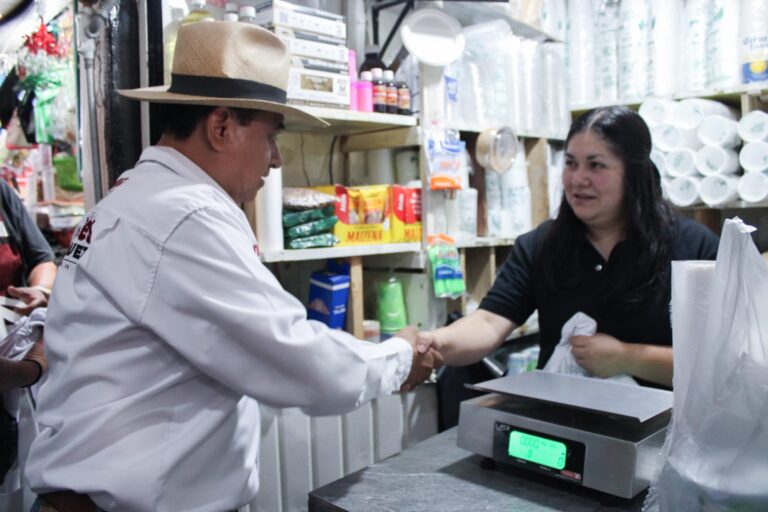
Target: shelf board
{"x":347,"y":122}
{"x":469,"y":13}
{"x":727,"y":95}
{"x":346,"y":251}
{"x":486,"y":241}
{"x":735,"y":205}
{"x":525,"y":135}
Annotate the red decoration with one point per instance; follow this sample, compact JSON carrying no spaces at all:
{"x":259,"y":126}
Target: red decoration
{"x":43,"y":40}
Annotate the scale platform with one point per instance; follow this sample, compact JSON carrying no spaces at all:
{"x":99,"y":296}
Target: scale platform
{"x":597,"y":433}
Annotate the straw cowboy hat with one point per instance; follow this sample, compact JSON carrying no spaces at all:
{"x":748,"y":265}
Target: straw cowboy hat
{"x":228,"y":64}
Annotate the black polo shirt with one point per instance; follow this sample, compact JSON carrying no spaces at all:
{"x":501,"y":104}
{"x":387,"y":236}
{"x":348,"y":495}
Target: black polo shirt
{"x":516,"y":293}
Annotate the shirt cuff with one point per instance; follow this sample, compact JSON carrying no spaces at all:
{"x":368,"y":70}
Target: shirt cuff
{"x":389,"y":366}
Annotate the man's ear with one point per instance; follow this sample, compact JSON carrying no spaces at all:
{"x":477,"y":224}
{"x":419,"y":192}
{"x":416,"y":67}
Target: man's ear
{"x":218,"y":128}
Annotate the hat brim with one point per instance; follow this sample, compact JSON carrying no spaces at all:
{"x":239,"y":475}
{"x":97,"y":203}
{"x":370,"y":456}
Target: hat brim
{"x":160,"y":94}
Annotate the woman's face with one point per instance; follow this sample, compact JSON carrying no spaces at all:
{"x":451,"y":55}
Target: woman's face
{"x":593,"y":181}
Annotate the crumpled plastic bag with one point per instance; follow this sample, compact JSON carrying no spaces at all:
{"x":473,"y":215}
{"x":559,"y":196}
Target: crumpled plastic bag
{"x":562,"y":360}
{"x":715,"y":457}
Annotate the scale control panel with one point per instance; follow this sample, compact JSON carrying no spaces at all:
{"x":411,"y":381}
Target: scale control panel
{"x":543,"y":453}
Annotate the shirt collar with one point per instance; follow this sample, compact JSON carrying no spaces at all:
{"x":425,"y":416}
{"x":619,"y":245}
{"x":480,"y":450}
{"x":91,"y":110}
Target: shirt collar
{"x":177,"y":162}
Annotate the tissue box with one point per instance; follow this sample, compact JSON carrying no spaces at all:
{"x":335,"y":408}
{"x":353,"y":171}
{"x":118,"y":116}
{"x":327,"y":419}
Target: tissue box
{"x":328,"y":294}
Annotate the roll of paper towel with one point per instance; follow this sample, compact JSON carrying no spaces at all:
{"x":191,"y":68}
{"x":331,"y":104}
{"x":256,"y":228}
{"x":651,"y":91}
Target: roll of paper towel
{"x":269,"y":213}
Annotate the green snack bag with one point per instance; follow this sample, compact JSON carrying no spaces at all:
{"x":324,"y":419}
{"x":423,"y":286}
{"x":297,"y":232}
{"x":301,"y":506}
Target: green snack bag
{"x":311,"y":228}
{"x":291,"y":219}
{"x":308,"y":242}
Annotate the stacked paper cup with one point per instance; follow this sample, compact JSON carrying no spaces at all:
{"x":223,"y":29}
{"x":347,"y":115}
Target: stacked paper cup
{"x":694,"y":149}
{"x":753,"y":129}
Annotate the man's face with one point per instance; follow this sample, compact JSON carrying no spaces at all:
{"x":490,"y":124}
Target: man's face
{"x":255,"y":153}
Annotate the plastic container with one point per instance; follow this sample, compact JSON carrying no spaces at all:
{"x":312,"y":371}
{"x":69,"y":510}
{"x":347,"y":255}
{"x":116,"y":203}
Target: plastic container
{"x":389,"y":81}
{"x":198,"y":11}
{"x":372,"y":59}
{"x":379,"y":90}
{"x":364,"y":92}
{"x":391,"y":306}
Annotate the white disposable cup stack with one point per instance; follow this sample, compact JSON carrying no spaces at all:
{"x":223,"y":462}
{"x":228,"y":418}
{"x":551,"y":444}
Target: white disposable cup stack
{"x":680,"y":162}
{"x":684,"y":190}
{"x":712,"y":160}
{"x":719,"y":131}
{"x":753,"y":127}
{"x":656,"y":111}
{"x":691,"y":112}
{"x":753,"y":187}
{"x":754,"y":157}
{"x":667,"y":137}
{"x":718,"y":189}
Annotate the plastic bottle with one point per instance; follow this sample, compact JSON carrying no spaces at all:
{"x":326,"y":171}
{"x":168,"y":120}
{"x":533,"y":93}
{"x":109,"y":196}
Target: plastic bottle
{"x":389,"y":81}
{"x":230,"y":12}
{"x":379,"y":90}
{"x":365,"y":92}
{"x":198,"y":11}
{"x":372,"y":59}
{"x":247,"y":14}
{"x":403,"y":99}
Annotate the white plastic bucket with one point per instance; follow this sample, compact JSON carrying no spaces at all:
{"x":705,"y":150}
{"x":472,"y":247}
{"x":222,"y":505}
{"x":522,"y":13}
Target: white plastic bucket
{"x":711,"y":160}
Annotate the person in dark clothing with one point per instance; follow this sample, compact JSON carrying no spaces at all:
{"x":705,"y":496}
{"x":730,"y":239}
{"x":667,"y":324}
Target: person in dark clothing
{"x":607,"y":254}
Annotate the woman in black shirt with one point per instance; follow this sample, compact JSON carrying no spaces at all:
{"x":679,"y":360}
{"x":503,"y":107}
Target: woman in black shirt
{"x":607,"y":254}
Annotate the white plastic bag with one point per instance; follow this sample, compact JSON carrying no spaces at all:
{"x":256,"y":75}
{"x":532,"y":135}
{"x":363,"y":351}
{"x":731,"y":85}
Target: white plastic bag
{"x":716,"y":453}
{"x":562,"y":360}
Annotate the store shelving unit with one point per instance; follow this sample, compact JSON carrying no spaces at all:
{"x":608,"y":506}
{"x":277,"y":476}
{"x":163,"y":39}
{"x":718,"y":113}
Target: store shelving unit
{"x":350,"y":122}
{"x":344,"y":251}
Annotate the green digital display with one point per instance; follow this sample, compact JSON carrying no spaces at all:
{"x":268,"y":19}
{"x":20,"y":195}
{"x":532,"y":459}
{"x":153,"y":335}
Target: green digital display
{"x":537,"y":449}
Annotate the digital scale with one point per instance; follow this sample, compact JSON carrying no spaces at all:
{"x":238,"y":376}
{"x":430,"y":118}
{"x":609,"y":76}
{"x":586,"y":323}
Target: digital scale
{"x":593,"y":432}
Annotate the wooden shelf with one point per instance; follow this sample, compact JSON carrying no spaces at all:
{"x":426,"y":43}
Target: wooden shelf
{"x":346,"y":251}
{"x":348,"y":122}
{"x":735,"y":205}
{"x":486,"y":241}
{"x":730,"y":95}
{"x":525,"y":135}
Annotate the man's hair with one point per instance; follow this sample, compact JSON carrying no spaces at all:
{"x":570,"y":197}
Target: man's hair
{"x":180,"y":120}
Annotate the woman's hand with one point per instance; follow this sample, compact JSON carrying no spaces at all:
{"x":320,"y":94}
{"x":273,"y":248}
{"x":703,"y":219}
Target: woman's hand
{"x":31,"y":297}
{"x":601,"y":355}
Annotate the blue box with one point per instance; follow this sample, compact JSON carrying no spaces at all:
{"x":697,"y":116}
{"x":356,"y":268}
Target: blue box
{"x":328,"y":294}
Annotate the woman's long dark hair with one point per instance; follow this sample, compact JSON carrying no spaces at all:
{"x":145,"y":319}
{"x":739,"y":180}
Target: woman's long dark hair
{"x":649,"y":218}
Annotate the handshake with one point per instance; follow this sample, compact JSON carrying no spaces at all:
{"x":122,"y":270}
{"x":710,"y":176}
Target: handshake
{"x":425,"y":357}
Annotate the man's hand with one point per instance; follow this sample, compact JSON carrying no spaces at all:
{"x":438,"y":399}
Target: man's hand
{"x":32,"y":298}
{"x":423,"y":363}
{"x":601,"y":355}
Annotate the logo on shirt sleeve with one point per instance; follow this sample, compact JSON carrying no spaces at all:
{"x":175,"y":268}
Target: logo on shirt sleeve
{"x":81,"y":239}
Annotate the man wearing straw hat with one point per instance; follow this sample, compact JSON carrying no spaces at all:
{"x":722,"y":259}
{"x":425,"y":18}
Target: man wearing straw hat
{"x":165,"y":331}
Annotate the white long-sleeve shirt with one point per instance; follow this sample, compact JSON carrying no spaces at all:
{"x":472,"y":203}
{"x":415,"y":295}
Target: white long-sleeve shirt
{"x":163,"y":332}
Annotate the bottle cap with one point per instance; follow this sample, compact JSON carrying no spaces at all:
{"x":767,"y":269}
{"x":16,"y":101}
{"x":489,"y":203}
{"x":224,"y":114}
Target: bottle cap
{"x":377,"y":73}
{"x":366,"y":76}
{"x":247,"y":11}
{"x":230,"y":7}
{"x":389,"y":75}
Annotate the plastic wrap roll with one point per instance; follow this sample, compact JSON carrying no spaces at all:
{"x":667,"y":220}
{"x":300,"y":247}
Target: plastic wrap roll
{"x":468,"y":214}
{"x":719,"y":131}
{"x":722,"y":45}
{"x":633,"y":49}
{"x":381,"y":167}
{"x":712,"y":160}
{"x":533,"y":113}
{"x":581,"y":52}
{"x":681,"y":162}
{"x":554,"y":18}
{"x":684,"y":190}
{"x":664,"y":46}
{"x":557,"y":112}
{"x":753,"y":36}
{"x":694,"y":32}
{"x":719,"y":189}
{"x":269,"y":213}
{"x":656,"y":111}
{"x":753,"y":127}
{"x":753,"y":157}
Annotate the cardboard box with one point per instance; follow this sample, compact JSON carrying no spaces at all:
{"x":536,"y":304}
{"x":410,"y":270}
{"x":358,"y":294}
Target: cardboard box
{"x":406,"y":214}
{"x":327,"y":66}
{"x":350,"y":230}
{"x":318,"y":86}
{"x":278,"y":12}
{"x":328,"y":293}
